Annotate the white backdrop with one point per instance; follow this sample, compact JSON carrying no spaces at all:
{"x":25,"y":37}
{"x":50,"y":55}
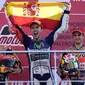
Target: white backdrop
{"x":2,"y":2}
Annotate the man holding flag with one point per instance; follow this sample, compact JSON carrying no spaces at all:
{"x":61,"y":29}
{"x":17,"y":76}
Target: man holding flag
{"x":40,"y":70}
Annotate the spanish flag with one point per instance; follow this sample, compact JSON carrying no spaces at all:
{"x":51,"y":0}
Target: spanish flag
{"x":22,"y":13}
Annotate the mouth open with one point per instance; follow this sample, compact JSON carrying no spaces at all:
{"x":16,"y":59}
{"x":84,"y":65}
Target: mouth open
{"x":35,"y":33}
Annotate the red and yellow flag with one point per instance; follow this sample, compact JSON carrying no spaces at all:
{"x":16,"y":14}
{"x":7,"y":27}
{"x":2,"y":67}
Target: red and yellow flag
{"x":22,"y":13}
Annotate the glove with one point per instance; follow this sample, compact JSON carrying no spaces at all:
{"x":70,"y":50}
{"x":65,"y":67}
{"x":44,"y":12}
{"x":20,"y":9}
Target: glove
{"x":67,"y":6}
{"x":12,"y":29}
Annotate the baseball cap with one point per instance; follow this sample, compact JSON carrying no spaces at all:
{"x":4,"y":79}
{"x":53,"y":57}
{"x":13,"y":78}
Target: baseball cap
{"x":78,"y":29}
{"x":35,"y":22}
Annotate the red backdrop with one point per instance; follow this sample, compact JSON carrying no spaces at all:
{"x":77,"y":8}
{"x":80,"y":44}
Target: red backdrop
{"x":77,"y":18}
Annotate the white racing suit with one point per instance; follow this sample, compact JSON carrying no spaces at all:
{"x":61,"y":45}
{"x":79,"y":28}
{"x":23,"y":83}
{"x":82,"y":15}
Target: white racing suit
{"x":40,"y":69}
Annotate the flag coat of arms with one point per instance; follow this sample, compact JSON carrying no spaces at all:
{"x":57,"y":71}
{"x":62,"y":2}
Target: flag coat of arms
{"x":22,"y":13}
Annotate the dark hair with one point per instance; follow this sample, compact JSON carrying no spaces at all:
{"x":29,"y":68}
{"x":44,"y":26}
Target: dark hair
{"x":9,"y":49}
{"x":63,"y":54}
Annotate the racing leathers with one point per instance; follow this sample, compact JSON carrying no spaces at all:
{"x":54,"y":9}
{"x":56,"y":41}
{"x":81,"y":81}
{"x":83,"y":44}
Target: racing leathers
{"x":40,"y":69}
{"x":80,"y":56}
{"x":78,"y":70}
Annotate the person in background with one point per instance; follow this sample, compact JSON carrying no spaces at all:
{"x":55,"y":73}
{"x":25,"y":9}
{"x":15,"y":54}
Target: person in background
{"x":76,"y":65}
{"x":9,"y":64}
{"x":40,"y":69}
{"x":18,"y":67}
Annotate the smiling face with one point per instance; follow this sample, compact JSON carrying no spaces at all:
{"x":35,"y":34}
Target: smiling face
{"x":78,"y":37}
{"x":36,"y":31}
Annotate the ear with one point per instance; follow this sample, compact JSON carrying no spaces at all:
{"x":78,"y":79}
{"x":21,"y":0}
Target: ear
{"x":83,"y":35}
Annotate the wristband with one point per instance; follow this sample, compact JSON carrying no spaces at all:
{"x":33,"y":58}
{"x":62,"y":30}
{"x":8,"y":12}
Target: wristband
{"x":66,"y":12}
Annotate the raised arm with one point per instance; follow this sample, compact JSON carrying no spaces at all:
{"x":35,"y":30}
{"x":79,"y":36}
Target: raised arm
{"x":60,"y":28}
{"x":20,"y":34}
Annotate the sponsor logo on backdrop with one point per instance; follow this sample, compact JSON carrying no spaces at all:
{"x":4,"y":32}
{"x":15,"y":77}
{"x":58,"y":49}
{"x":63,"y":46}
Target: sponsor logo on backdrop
{"x":8,"y":39}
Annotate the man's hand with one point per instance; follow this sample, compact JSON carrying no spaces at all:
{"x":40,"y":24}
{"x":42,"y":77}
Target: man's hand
{"x":12,"y":29}
{"x":15,"y":70}
{"x":67,"y":6}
